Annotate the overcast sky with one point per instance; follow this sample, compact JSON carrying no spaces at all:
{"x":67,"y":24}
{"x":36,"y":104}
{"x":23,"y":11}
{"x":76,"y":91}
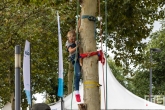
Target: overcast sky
{"x":157,"y":26}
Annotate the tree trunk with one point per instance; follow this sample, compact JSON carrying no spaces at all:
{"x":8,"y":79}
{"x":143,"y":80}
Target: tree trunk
{"x":90,"y":64}
{"x":70,"y":78}
{"x":12,"y":101}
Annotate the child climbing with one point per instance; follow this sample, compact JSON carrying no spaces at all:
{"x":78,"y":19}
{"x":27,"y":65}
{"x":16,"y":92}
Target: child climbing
{"x":73,"y":48}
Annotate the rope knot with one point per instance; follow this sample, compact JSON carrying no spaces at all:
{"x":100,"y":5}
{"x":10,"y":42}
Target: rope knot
{"x":88,"y":54}
{"x":99,"y":53}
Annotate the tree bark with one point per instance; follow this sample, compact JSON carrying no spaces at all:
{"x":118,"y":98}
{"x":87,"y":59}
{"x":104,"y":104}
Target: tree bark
{"x":70,"y":78}
{"x":12,"y":101}
{"x":90,"y":64}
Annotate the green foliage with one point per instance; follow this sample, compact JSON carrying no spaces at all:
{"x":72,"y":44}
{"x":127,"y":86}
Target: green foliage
{"x":38,"y":24}
{"x":158,"y":69}
{"x":117,"y":71}
{"x":141,"y":79}
{"x":128,"y":23}
{"x":140,"y":83}
{"x":35,"y":20}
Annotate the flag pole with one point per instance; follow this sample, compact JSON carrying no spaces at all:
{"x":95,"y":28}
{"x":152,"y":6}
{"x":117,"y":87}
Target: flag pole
{"x":30,"y":105}
{"x":60,"y":65}
{"x":62,"y":103}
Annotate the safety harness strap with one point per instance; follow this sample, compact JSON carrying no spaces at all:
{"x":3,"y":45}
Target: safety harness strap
{"x":99,"y":53}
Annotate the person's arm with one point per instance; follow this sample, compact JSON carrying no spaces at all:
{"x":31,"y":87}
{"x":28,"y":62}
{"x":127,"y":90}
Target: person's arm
{"x":72,"y":50}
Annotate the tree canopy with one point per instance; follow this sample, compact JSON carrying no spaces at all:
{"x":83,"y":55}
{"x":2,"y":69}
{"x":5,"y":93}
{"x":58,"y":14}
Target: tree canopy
{"x":141,"y":79}
{"x":36,"y":23}
{"x":128,"y":23}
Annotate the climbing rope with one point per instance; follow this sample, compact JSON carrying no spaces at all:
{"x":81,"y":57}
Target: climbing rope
{"x":106,"y":47}
{"x":76,"y":56}
{"x":100,"y":19}
{"x":92,"y":84}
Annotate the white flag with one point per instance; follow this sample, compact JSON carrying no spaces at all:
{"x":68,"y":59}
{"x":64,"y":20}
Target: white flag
{"x":26,"y":71}
{"x":60,"y":63}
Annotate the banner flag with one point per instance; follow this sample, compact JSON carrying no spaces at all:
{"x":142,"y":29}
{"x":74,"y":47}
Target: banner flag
{"x":26,"y":71}
{"x":60,"y":61}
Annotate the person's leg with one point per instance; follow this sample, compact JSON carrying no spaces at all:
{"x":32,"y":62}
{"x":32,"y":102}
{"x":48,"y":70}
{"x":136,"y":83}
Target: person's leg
{"x":77,"y":80}
{"x":77,"y":75}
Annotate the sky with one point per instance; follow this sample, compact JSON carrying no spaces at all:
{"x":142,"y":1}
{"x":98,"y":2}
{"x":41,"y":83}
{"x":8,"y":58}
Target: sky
{"x":157,"y":26}
{"x":40,"y":97}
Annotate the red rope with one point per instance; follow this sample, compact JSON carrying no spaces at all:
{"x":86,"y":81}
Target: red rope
{"x":105,"y":97}
{"x":99,"y":53}
{"x":102,"y":59}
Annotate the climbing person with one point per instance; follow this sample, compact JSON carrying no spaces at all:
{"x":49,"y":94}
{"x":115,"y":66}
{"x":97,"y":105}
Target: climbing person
{"x":73,"y":48}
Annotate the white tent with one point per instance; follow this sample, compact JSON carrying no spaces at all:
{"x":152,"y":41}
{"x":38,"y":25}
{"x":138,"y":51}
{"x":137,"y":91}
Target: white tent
{"x":118,"y":97}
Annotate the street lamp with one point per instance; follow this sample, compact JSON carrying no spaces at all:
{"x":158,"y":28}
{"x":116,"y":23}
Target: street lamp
{"x":152,"y":50}
{"x":17,"y":77}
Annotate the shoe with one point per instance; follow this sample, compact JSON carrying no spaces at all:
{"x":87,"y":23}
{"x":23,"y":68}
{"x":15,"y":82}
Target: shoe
{"x":78,"y":98}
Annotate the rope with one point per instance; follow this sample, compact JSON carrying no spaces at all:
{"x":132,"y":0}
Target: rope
{"x":105,"y":98}
{"x":106,"y":45}
{"x":76,"y":56}
{"x":99,"y":53}
{"x":91,"y":84}
{"x":72,"y":91}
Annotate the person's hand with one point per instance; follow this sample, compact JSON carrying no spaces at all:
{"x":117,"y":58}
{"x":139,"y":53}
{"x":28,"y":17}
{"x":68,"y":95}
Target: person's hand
{"x":77,"y":43}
